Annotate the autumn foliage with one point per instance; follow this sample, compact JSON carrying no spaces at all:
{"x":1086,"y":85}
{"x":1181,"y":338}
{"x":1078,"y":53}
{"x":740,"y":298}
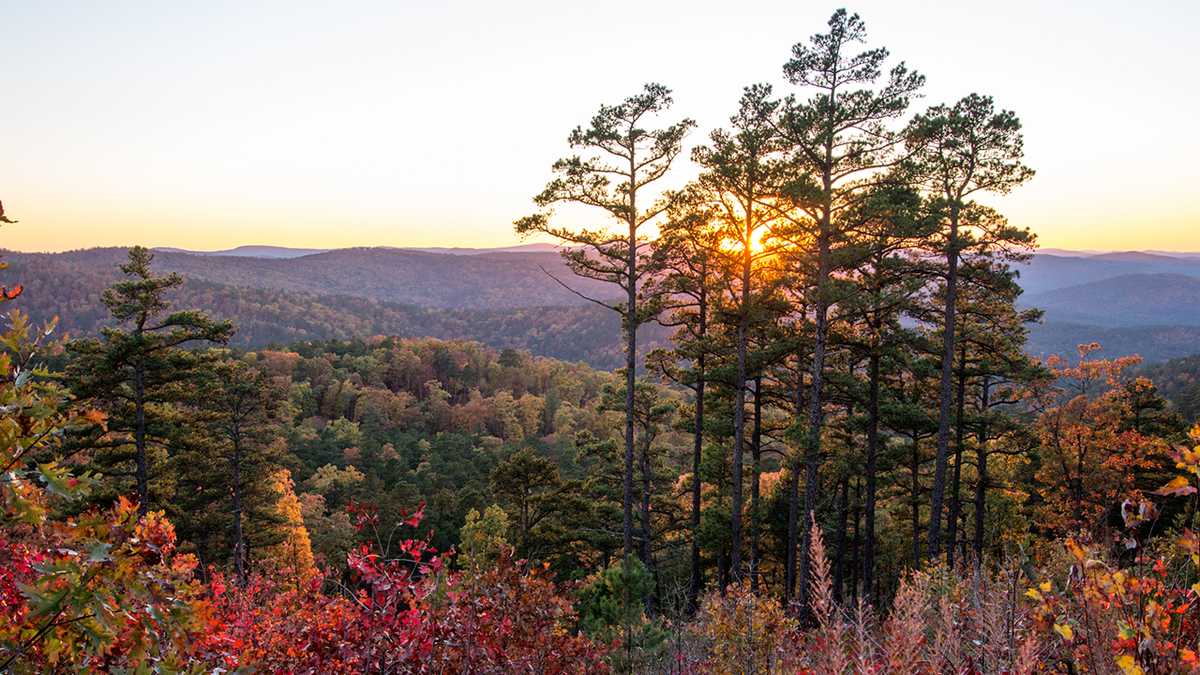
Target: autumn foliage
{"x":405,"y":612}
{"x":1090,"y":455}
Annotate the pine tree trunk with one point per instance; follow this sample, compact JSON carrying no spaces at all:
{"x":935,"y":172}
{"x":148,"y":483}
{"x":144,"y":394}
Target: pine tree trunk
{"x":793,"y":535}
{"x":915,"y":467}
{"x":647,"y":543}
{"x":239,"y":542}
{"x":739,"y":444}
{"x":981,"y":483}
{"x":816,"y":414}
{"x":839,"y":565}
{"x":854,"y":570}
{"x":694,"y":583}
{"x":630,"y":384}
{"x":946,"y":397}
{"x":960,"y":412}
{"x":142,"y":470}
{"x":755,"y":485}
{"x":868,"y":566}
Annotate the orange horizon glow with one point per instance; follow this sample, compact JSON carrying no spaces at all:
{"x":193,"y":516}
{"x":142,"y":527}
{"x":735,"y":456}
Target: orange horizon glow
{"x":62,"y":229}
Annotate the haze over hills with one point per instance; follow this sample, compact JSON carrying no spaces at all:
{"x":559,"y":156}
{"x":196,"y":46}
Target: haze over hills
{"x":71,"y":291}
{"x":1127,"y":300}
{"x":486,"y":280}
{"x":1048,"y":272}
{"x":1130,"y":302}
{"x":284,"y":252}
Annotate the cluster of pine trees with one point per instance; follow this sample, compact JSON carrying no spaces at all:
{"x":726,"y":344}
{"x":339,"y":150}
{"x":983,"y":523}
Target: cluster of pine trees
{"x":832,"y":277}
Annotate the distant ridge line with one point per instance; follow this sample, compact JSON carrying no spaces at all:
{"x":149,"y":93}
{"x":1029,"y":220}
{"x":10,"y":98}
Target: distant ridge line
{"x":283,"y":252}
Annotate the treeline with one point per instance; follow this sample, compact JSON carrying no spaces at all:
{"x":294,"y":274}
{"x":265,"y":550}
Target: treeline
{"x":480,"y":282}
{"x":71,"y":291}
{"x":1179,"y":382}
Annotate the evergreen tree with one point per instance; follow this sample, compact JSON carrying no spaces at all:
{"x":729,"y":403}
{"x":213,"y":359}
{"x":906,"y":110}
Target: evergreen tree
{"x":959,"y":151}
{"x":841,"y":143}
{"x":739,"y":176}
{"x":128,"y":373}
{"x":641,"y":157}
{"x":231,"y":453}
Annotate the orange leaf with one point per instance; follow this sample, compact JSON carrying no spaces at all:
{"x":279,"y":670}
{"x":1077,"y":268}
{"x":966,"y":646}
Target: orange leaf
{"x":1179,"y":485}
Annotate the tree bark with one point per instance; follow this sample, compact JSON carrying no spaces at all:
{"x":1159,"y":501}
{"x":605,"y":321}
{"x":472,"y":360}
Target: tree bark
{"x":915,"y":467}
{"x":739,"y":443}
{"x":960,"y":413}
{"x":789,"y":589}
{"x":142,"y":470}
{"x":630,"y":378}
{"x":239,"y":542}
{"x":946,"y":398}
{"x":981,"y":483}
{"x":868,"y":566}
{"x":695,"y":582}
{"x":839,"y":565}
{"x":755,"y":485}
{"x":816,"y":412}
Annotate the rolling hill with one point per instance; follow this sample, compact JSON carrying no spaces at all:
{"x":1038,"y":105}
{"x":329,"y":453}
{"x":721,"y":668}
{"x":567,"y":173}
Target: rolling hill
{"x":71,"y":290}
{"x":1129,"y":302}
{"x":1050,"y":272}
{"x":1126,"y":300}
{"x":489,"y":280}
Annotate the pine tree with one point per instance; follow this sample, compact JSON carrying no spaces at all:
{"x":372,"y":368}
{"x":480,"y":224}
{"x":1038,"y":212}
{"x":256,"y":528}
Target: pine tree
{"x":641,"y":157}
{"x":128,"y":373}
{"x":959,"y":151}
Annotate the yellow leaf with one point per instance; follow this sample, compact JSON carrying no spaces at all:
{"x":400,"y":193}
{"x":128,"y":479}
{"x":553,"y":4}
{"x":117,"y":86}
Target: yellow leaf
{"x":1128,"y":665}
{"x":1065,"y":631}
{"x":1033,"y":593}
{"x":1180,"y":485}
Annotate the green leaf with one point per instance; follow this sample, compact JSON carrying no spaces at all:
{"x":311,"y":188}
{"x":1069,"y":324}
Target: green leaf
{"x":51,"y":605}
{"x":57,"y":480}
{"x":100,"y":552}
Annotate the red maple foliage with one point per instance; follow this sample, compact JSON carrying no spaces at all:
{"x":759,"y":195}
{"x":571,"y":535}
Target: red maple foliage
{"x":408,"y":613}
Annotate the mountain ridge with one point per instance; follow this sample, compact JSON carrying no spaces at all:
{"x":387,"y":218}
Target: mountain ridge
{"x":1127,"y":300}
{"x":509,"y":298}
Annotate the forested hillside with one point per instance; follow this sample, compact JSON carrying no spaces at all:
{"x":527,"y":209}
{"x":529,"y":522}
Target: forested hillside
{"x":1127,"y":300}
{"x":1047,"y":272}
{"x":71,"y":290}
{"x":1139,"y":315}
{"x":486,"y":281}
{"x":1178,"y":381}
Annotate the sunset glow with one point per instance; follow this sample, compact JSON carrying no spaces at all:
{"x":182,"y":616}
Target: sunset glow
{"x":298,"y":124}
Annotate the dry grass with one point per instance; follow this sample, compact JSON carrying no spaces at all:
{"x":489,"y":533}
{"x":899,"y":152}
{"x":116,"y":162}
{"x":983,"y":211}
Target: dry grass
{"x":939,"y":624}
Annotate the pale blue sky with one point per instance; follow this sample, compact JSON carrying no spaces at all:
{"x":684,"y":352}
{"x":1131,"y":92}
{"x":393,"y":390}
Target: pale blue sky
{"x":315,"y":124}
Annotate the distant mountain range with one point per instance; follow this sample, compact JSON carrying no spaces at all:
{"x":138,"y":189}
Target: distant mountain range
{"x":1126,"y":300}
{"x":283,"y":252}
{"x":486,"y":279}
{"x":1087,"y":254}
{"x":1133,"y":302}
{"x":1145,"y":303}
{"x":1048,"y":272}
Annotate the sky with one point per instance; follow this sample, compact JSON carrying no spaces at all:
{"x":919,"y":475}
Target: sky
{"x":212,"y":125}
